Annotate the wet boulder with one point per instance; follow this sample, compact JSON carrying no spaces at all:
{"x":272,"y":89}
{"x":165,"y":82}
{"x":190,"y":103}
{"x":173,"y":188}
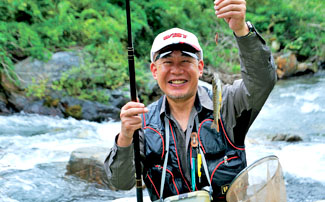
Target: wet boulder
{"x":19,"y":101}
{"x":293,"y":138}
{"x":286,"y":138}
{"x":279,"y":137}
{"x":321,"y":64}
{"x":39,"y":107}
{"x":88,"y":110}
{"x":3,"y":104}
{"x":288,"y":65}
{"x":88,"y":164}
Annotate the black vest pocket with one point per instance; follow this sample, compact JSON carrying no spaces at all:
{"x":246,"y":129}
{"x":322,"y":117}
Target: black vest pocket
{"x":212,"y":142}
{"x":155,"y":144}
{"x":227,"y":168}
{"x":173,"y":184}
{"x":224,"y":170}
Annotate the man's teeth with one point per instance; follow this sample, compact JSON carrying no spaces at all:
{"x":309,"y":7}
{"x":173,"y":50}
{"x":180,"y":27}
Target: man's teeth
{"x":178,"y":81}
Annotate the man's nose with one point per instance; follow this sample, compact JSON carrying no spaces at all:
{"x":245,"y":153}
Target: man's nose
{"x":177,"y":69}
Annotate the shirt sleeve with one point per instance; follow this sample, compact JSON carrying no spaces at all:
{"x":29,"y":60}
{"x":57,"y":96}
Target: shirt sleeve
{"x":119,"y":165}
{"x":243,"y":100}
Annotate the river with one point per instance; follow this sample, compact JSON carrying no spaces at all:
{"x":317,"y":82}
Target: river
{"x":34,"y":149}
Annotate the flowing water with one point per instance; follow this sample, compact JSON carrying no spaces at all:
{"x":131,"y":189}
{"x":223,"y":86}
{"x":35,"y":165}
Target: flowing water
{"x":34,"y":150}
{"x":295,"y":107}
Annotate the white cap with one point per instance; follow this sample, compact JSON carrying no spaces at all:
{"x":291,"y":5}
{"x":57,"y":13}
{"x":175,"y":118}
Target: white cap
{"x":174,"y":36}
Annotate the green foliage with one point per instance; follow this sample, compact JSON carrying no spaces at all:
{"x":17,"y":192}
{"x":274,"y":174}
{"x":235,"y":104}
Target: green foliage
{"x":38,"y":28}
{"x":38,"y":89}
{"x":297,"y":25}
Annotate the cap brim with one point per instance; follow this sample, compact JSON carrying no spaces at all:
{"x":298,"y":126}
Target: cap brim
{"x":180,"y":46}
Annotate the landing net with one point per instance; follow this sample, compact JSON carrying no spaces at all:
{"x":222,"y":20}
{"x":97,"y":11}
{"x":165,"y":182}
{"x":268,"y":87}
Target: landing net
{"x":261,"y":181}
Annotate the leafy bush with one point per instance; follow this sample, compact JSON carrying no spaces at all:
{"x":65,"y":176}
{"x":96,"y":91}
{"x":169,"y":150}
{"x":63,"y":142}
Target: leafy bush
{"x":297,"y":25}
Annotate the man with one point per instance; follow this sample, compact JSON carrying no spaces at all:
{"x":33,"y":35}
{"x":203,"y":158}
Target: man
{"x":187,"y":109}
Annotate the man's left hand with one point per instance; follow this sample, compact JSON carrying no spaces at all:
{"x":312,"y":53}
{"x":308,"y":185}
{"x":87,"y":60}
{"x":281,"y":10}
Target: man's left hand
{"x":233,"y":12}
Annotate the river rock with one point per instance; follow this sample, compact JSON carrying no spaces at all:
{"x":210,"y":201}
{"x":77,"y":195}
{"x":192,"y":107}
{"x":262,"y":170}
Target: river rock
{"x":118,"y":98}
{"x":3,"y":108}
{"x":22,"y":103}
{"x":288,"y":65}
{"x":293,"y":138}
{"x":85,"y":109}
{"x":19,"y":101}
{"x":279,"y":137}
{"x":3,"y":104}
{"x":30,"y":71}
{"x":88,"y":164}
{"x":39,"y":107}
{"x":287,"y":138}
{"x":321,"y":64}
{"x":65,"y":107}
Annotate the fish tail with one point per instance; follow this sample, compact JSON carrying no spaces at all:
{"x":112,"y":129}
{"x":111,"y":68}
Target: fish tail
{"x":215,"y":125}
{"x":217,"y":99}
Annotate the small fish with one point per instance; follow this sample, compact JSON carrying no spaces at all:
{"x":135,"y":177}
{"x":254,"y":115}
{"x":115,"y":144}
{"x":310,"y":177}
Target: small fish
{"x":217,"y":98}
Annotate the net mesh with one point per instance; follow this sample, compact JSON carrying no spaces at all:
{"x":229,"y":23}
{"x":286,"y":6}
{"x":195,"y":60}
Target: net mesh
{"x":262,"y":181}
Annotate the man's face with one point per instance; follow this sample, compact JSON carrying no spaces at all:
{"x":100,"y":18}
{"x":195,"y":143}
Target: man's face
{"x":177,"y":75}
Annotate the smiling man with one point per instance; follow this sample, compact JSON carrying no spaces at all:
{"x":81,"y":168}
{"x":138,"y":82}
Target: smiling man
{"x":175,"y":131}
{"x":177,"y":65}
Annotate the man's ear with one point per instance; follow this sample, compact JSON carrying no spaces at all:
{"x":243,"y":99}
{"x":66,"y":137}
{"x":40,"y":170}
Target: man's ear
{"x":201,"y":67}
{"x":153,"y":69}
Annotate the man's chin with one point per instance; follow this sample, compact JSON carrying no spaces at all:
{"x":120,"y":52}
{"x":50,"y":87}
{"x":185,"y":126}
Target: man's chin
{"x":179,"y":97}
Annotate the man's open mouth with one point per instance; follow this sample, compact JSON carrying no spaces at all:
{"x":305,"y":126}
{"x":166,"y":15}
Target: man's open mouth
{"x":177,"y":81}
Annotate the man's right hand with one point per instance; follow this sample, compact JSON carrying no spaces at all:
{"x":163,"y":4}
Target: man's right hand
{"x":130,"y":121}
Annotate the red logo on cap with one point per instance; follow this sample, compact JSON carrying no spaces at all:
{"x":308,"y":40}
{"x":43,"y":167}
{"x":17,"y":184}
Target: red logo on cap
{"x":175,"y":35}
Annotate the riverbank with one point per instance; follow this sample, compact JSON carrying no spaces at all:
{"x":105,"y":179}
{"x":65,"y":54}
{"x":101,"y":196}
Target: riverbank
{"x":44,"y":87}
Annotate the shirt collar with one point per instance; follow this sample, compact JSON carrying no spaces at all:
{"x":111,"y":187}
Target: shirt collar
{"x":202,"y":100}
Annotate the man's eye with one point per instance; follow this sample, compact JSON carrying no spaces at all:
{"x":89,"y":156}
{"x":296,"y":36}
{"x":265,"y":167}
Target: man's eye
{"x":167,"y":62}
{"x":186,"y":61}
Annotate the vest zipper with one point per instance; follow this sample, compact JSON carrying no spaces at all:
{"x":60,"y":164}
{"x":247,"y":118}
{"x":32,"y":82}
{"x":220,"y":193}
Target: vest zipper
{"x":225,"y":161}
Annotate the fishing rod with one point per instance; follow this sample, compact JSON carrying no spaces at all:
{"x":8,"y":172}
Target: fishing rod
{"x":133,"y":91}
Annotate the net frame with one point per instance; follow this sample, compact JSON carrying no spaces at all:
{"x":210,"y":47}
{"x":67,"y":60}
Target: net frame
{"x":254,"y":183}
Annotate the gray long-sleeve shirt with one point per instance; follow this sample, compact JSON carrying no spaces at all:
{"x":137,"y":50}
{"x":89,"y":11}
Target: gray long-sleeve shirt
{"x":241,"y":103}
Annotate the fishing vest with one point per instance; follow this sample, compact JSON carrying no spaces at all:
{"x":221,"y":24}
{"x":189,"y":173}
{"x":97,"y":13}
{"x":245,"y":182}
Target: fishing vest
{"x":224,"y":159}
